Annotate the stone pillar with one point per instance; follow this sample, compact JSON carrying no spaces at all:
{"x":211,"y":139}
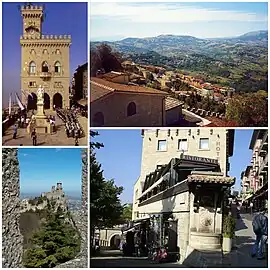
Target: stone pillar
{"x":12,"y":240}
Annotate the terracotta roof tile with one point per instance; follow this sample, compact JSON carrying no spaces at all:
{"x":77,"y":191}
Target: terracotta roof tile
{"x":211,"y":179}
{"x":100,"y":87}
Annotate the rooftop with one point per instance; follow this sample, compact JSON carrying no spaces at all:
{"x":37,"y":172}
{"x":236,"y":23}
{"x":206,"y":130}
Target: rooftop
{"x":100,"y":88}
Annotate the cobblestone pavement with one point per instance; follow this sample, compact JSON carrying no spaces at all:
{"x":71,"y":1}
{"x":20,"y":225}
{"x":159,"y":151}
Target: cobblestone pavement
{"x":59,"y":138}
{"x":114,"y":258}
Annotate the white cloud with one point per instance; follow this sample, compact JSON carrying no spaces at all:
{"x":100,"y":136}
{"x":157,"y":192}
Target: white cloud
{"x":173,"y":13}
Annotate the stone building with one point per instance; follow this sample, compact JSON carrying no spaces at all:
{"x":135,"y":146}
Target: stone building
{"x":255,"y":178}
{"x":12,"y":239}
{"x":81,"y":83}
{"x":119,"y":104}
{"x":180,"y":191}
{"x":44,"y":61}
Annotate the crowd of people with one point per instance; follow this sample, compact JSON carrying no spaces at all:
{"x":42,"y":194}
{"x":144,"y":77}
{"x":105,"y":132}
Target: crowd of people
{"x":72,"y":125}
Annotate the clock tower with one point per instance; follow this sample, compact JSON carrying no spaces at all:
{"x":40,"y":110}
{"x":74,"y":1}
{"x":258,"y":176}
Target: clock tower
{"x":44,"y":61}
{"x":32,"y":20}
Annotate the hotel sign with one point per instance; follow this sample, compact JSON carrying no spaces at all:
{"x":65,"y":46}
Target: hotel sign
{"x":200,"y":159}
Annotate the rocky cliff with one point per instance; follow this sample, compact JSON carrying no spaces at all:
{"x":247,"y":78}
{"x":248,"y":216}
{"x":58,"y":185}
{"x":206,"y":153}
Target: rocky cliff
{"x":12,"y":240}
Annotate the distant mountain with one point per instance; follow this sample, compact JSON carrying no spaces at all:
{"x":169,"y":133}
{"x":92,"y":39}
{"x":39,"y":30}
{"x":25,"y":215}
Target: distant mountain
{"x":240,"y":62}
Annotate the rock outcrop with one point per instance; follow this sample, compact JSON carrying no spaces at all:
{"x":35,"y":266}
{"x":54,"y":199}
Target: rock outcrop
{"x":12,"y":240}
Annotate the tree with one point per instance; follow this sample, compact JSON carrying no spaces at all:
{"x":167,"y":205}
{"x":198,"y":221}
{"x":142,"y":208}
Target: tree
{"x":127,"y":213}
{"x":56,"y":243}
{"x":103,"y":57}
{"x":105,"y":205}
{"x":248,"y":110}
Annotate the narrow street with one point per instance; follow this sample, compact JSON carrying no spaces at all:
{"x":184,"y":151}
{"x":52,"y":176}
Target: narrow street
{"x":239,"y":257}
{"x":114,"y":258}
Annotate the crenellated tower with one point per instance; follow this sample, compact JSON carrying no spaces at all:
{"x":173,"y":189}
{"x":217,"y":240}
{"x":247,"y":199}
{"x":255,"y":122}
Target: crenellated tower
{"x":44,"y":61}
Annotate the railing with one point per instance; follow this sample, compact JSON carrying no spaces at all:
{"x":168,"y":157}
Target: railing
{"x":45,"y":74}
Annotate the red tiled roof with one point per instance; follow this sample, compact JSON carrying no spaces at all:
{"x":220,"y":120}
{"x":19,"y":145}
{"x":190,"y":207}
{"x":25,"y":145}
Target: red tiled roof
{"x":100,"y":87}
{"x":220,"y":122}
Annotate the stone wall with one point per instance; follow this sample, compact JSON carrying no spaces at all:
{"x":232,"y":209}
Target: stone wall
{"x":12,"y":240}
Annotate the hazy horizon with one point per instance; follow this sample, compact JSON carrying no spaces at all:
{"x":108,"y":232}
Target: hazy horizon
{"x":118,"y":38}
{"x":202,"y":19}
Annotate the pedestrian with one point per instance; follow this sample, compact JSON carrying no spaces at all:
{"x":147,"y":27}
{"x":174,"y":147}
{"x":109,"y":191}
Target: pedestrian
{"x":251,"y":207}
{"x":76,"y":141}
{"x":34,"y":137}
{"x":15,"y":129}
{"x":260,"y":228}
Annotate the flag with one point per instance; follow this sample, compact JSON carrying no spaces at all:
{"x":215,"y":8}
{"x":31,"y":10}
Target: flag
{"x":9,"y":105}
{"x":19,"y":102}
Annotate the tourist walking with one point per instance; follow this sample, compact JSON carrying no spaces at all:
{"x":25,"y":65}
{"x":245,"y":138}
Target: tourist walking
{"x":251,"y":207}
{"x":34,"y":137}
{"x":260,"y":228}
{"x":15,"y":129}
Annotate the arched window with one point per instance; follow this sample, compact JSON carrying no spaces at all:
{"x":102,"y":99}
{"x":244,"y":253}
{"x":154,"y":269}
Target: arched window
{"x":32,"y":67}
{"x":32,"y":51}
{"x":45,"y":67}
{"x":45,"y":51}
{"x":131,"y":109}
{"x":57,"y":67}
{"x":98,"y":119}
{"x":57,"y":51}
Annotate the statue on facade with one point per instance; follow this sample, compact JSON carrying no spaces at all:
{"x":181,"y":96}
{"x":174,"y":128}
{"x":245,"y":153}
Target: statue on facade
{"x":40,"y":93}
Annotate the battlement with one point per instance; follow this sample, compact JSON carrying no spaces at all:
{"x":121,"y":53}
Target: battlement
{"x":47,"y":37}
{"x":28,"y":7}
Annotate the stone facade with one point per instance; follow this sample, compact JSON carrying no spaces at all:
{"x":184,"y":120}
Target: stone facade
{"x":150,"y":110}
{"x":12,"y":240}
{"x":218,"y":148}
{"x":81,"y":82}
{"x":44,"y":61}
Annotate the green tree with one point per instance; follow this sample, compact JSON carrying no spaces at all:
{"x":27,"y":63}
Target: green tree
{"x":105,"y":205}
{"x":248,"y":110}
{"x":103,"y":57}
{"x":127,"y":213}
{"x":56,"y":243}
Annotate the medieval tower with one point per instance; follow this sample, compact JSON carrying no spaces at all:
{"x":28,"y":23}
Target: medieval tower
{"x":44,"y":61}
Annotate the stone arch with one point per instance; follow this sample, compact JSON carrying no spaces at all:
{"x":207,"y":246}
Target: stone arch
{"x":32,"y":67}
{"x":32,"y":102}
{"x":32,"y":51}
{"x":58,"y":100}
{"x":131,"y":109}
{"x":98,"y":119}
{"x":57,"y":67}
{"x":44,"y":67}
{"x":47,"y":101}
{"x":45,"y":51}
{"x":115,"y":240}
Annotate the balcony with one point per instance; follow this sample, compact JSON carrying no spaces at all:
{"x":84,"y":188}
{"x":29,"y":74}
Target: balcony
{"x":264,"y":166}
{"x":264,"y":145}
{"x":45,"y":75}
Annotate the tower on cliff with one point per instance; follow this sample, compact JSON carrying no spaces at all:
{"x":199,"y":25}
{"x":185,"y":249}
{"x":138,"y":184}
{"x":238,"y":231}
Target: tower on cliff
{"x":44,"y":61}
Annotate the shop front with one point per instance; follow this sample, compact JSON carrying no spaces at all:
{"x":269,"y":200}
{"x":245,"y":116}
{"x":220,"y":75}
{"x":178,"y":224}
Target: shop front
{"x":184,"y":201}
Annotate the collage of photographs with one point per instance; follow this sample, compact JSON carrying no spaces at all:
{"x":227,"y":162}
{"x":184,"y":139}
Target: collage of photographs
{"x":134,"y":134}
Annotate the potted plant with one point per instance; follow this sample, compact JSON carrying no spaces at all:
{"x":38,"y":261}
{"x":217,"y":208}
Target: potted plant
{"x":228,"y":233}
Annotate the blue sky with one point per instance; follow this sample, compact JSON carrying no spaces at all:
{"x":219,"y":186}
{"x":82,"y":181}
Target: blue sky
{"x":114,"y":21}
{"x":121,"y":157}
{"x":41,"y":168}
{"x":61,"y":18}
